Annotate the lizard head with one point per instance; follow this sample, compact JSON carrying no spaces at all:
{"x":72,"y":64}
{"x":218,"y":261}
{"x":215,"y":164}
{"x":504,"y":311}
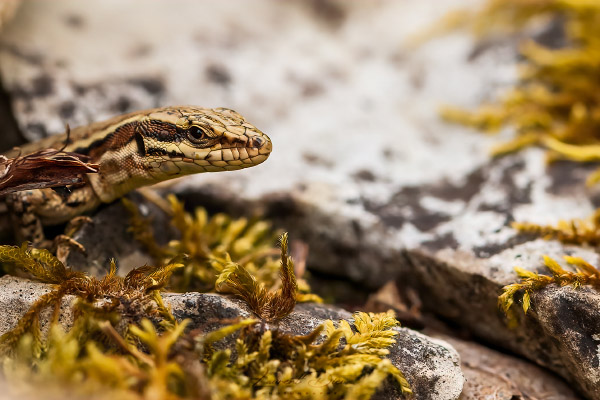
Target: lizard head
{"x":177,"y":141}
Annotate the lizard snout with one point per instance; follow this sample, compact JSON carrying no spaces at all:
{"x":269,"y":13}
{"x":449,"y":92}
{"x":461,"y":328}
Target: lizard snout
{"x":258,"y":142}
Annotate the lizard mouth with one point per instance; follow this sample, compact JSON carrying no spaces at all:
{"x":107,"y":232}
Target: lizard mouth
{"x":227,"y":155}
{"x":237,"y":157}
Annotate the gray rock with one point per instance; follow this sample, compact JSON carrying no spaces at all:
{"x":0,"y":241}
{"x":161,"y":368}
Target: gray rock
{"x":491,"y":374}
{"x":460,"y":275}
{"x":431,"y":366}
{"x":572,"y":319}
{"x":18,"y":294}
{"x":108,"y":237}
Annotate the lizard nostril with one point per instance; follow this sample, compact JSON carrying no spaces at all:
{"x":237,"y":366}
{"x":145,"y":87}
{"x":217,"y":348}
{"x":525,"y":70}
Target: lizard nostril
{"x":258,"y":142}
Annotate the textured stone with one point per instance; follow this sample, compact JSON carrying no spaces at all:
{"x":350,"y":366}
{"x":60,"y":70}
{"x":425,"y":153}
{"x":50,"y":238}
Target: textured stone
{"x":18,"y":294}
{"x":431,"y":366}
{"x":108,"y":237}
{"x":490,"y":374}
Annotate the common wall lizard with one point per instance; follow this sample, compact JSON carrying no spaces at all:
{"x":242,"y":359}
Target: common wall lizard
{"x":135,"y":150}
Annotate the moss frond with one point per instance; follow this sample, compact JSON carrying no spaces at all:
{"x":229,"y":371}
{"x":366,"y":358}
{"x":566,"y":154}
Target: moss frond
{"x":38,"y":263}
{"x":575,"y":231}
{"x":271,"y":364}
{"x":268,"y":305}
{"x":554,"y":104}
{"x":213,"y":244}
{"x":585,"y":274}
{"x":105,"y":297}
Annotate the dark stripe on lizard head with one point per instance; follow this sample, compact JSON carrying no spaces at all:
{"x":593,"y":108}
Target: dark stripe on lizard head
{"x":139,"y":140}
{"x":117,"y":139}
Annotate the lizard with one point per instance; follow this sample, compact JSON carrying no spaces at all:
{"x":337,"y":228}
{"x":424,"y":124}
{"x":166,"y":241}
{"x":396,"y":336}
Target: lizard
{"x":135,"y":150}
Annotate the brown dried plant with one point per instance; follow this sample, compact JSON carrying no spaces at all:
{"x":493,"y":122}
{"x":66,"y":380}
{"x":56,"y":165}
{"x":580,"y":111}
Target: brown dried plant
{"x":43,"y":169}
{"x":133,"y":294}
{"x":268,"y":305}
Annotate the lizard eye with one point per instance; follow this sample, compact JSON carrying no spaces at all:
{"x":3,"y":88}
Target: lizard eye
{"x":196,"y":134}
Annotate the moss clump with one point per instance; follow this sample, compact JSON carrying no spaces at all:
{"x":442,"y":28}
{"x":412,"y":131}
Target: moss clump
{"x":555,"y":104}
{"x":155,"y":358}
{"x":347,"y":363}
{"x":211,"y":244}
{"x":108,"y":298}
{"x":585,"y":274}
{"x":575,"y":231}
{"x":69,"y":367}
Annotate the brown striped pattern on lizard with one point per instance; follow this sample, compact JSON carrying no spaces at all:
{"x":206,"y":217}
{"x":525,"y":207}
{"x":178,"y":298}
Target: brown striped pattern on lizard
{"x":143,"y":148}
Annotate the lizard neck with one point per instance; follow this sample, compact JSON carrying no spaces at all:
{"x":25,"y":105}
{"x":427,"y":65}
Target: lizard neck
{"x":121,"y":171}
{"x":122,"y":167}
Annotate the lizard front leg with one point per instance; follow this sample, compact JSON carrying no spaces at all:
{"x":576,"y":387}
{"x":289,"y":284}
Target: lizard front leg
{"x":31,"y":210}
{"x":27,"y":225}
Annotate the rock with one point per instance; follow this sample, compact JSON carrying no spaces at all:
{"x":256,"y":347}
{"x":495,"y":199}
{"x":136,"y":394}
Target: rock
{"x":491,"y":374}
{"x":362,"y":168}
{"x":572,"y":319}
{"x":108,"y":237}
{"x":18,"y":294}
{"x":431,"y":366}
{"x":460,"y":274}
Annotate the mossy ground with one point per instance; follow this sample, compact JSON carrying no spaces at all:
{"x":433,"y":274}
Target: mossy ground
{"x":125,"y":343}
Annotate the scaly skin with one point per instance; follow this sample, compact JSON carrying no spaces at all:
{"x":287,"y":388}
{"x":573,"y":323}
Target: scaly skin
{"x":135,"y":150}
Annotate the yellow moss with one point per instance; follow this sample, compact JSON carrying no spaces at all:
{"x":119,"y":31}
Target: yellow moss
{"x":107,"y":297}
{"x":575,"y":231}
{"x":211,"y":244}
{"x":555,"y":103}
{"x":274,"y":365}
{"x":585,"y":274}
{"x":158,"y":360}
{"x":73,"y":368}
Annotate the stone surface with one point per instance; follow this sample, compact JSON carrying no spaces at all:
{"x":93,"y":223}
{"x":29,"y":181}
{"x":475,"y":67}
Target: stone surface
{"x":18,"y":294}
{"x":431,"y":366}
{"x":362,"y":168}
{"x":461,"y":273}
{"x":108,"y":237}
{"x":492,"y":375}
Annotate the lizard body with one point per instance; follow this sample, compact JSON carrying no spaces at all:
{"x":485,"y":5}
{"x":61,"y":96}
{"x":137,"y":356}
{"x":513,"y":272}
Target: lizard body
{"x":135,"y":150}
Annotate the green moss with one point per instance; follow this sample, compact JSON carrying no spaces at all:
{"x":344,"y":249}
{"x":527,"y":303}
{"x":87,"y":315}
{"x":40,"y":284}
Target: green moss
{"x":125,"y":343}
{"x":555,"y":103}
{"x":211,"y":244}
{"x":585,"y":274}
{"x":575,"y":231}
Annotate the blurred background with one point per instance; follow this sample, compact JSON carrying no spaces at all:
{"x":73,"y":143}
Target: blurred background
{"x":334,"y":83}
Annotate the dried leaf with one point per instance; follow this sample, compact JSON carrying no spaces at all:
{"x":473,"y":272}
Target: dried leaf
{"x":43,"y":169}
